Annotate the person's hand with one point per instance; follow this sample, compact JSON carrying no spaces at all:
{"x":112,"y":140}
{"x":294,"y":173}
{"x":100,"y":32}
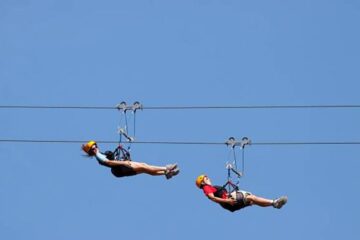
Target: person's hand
{"x":231,"y":201}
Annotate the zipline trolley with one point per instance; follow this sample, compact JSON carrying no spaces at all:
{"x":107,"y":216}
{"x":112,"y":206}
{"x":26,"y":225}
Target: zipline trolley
{"x":121,"y":153}
{"x":232,"y":166}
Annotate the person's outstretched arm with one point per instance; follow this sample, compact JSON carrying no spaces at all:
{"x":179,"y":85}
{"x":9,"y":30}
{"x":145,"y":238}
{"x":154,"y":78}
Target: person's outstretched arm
{"x":109,"y":163}
{"x":212,"y":197}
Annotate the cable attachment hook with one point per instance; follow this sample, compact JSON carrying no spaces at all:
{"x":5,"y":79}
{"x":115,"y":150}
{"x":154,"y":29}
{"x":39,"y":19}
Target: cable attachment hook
{"x":122,"y":106}
{"x":123,"y":132}
{"x":230,"y":167}
{"x":233,"y":143}
{"x":245,"y":141}
{"x":136,"y":105}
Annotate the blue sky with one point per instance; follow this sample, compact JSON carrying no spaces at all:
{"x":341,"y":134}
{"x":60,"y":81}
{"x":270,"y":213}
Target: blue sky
{"x":179,"y":53}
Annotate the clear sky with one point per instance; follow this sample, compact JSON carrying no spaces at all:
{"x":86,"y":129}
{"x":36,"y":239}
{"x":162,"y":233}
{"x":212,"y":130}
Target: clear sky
{"x":179,"y":53}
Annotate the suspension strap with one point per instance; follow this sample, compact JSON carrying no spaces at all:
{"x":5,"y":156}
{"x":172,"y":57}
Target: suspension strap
{"x":244,"y":141}
{"x":233,"y":144}
{"x":121,"y":154}
{"x":123,"y":131}
{"x":232,"y":167}
{"x":135,"y":107}
{"x":233,"y":170}
{"x":229,"y":186}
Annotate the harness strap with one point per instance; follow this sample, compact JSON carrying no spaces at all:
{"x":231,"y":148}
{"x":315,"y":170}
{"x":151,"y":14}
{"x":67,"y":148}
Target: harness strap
{"x":124,"y":131}
{"x":220,"y":190}
{"x":121,"y":153}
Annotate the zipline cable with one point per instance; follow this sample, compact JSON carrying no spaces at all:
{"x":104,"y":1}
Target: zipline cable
{"x":180,"y":142}
{"x":181,"y":107}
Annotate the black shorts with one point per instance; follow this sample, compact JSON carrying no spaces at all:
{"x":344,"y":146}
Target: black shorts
{"x":123,"y":171}
{"x":240,"y":203}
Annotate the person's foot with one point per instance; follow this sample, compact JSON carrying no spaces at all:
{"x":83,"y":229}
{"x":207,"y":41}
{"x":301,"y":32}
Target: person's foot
{"x":175,"y":171}
{"x":170,"y":167}
{"x":278,"y":203}
{"x":170,"y":173}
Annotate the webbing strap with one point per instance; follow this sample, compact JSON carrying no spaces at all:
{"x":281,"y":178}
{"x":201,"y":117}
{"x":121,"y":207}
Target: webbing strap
{"x":121,"y":153}
{"x":124,"y":130}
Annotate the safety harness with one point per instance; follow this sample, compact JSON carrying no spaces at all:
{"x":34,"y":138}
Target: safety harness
{"x":119,"y":153}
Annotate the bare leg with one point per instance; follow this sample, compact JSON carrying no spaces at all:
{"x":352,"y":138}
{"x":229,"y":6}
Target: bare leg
{"x":169,"y":170}
{"x":148,"y":169}
{"x":259,"y":201}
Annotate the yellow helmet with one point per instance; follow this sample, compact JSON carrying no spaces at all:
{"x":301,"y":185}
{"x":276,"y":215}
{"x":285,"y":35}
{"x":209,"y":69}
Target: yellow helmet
{"x":199,"y":180}
{"x":87,"y":147}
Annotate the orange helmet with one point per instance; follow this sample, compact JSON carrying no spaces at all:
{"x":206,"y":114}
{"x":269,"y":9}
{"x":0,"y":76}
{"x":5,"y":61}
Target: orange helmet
{"x":199,"y":180}
{"x":87,"y":147}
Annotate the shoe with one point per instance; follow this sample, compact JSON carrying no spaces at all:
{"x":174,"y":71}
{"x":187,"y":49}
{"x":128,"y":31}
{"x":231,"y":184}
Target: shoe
{"x":278,"y":203}
{"x":170,"y":167}
{"x":170,"y":173}
{"x":175,"y":171}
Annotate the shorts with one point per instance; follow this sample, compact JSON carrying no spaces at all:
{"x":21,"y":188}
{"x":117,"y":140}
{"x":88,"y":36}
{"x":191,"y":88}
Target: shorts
{"x":123,"y":171}
{"x":241,"y":197}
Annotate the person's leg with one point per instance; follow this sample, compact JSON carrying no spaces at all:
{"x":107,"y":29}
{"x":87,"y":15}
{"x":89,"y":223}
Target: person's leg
{"x":148,"y":169}
{"x":169,"y":170}
{"x":263,"y":202}
{"x":279,"y":202}
{"x":259,"y":201}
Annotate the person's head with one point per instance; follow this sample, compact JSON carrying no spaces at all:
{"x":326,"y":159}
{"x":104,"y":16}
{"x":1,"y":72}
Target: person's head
{"x":202,"y":180}
{"x":89,"y":148}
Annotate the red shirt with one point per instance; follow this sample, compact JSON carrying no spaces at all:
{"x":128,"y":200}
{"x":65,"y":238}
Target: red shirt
{"x":211,"y":189}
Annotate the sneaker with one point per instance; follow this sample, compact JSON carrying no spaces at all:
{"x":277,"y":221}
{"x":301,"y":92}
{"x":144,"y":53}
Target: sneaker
{"x":278,"y":203}
{"x":175,"y":171}
{"x":170,"y":167}
{"x":170,"y":173}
